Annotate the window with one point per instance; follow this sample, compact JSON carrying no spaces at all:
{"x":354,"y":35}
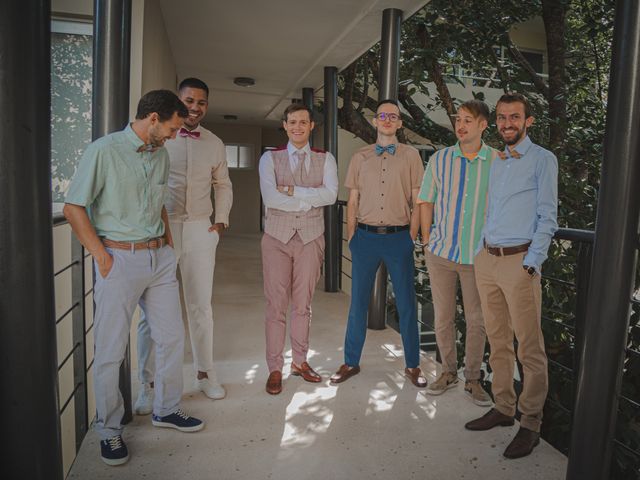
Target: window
{"x":71,"y":71}
{"x":239,"y":156}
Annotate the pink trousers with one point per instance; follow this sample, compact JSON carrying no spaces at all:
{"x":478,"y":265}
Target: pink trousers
{"x":290,"y":272}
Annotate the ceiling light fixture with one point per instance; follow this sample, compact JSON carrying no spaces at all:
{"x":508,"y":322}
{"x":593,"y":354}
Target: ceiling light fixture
{"x":230,"y":117}
{"x":244,"y":81}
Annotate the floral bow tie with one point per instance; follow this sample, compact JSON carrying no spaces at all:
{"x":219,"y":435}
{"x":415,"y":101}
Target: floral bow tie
{"x":147,"y":147}
{"x":188,"y":133}
{"x":503,"y":155}
{"x":389,"y":148}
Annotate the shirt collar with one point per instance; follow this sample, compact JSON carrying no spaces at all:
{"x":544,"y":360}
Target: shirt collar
{"x":483,"y":153}
{"x":133,"y":136}
{"x":522,"y":148}
{"x":292,"y":149}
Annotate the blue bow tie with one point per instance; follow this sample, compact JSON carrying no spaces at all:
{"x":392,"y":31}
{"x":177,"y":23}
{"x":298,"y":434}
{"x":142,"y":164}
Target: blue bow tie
{"x":389,"y":148}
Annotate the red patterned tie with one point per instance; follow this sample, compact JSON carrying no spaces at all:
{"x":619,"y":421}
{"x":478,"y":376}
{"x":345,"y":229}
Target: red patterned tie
{"x":188,"y":133}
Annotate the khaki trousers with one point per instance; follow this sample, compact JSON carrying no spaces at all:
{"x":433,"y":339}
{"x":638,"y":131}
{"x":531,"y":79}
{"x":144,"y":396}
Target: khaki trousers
{"x":443,"y":278}
{"x":512,"y":304}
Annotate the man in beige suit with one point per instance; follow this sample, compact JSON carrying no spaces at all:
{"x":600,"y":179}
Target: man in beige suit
{"x":296,"y":181}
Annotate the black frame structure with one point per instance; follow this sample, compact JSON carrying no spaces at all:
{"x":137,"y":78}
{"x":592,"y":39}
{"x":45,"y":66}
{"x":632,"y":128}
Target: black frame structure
{"x":614,"y":260}
{"x":110,"y":103}
{"x":332,"y":230}
{"x":28,"y":378}
{"x":389,"y":75}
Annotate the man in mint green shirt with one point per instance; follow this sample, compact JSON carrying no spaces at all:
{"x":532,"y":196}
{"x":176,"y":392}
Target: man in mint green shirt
{"x":453,"y":202}
{"x":115,"y":208}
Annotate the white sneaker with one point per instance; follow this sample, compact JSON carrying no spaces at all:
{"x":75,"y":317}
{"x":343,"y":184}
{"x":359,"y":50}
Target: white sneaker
{"x":211,"y":388}
{"x":144,"y":403}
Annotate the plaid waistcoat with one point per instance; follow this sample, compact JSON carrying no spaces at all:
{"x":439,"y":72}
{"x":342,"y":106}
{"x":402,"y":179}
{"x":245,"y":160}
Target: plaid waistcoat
{"x":284,"y":225}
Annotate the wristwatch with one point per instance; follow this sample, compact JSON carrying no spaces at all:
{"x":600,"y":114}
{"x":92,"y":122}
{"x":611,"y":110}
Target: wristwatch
{"x":530,"y":270}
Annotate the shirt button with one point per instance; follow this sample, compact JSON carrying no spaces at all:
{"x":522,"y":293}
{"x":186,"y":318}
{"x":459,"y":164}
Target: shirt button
{"x":383,"y":194}
{"x":384,"y":169}
{"x":382,"y":181}
{"x":381,"y":208}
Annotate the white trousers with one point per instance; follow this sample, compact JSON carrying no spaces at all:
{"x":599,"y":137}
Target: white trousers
{"x":146,"y":278}
{"x":195,"y":249}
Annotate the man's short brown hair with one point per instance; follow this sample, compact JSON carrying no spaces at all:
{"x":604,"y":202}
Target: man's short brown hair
{"x":515,"y":97}
{"x":296,"y":107}
{"x":477,"y":108}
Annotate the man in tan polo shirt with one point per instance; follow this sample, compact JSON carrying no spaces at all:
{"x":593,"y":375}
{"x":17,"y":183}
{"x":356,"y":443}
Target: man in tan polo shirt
{"x":382,"y":224}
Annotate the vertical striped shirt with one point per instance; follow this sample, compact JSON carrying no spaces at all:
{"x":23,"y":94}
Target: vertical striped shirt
{"x":457,"y":187}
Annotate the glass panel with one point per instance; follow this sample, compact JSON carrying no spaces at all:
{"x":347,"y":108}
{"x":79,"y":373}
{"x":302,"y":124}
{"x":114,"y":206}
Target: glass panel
{"x":71,"y":65}
{"x":232,"y":156}
{"x":246,"y":157}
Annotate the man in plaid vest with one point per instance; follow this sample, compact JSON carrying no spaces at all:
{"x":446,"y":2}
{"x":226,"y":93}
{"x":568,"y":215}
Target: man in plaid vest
{"x":296,"y":181}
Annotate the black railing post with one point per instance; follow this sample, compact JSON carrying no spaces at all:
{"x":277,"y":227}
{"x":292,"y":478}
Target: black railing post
{"x":29,"y":374}
{"x":614,"y":259}
{"x":110,"y":105}
{"x":389,"y":76}
{"x":307,"y":100}
{"x":331,"y":228}
{"x":79,"y":340}
{"x":583,"y":273}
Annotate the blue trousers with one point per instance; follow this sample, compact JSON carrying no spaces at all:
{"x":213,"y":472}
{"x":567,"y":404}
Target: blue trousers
{"x":396,"y":251}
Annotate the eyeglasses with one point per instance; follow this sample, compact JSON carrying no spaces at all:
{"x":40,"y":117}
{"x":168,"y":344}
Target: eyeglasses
{"x":392,"y":117}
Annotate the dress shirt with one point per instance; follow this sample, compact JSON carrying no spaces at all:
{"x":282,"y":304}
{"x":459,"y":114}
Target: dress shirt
{"x":123,"y":190}
{"x":385,"y":183}
{"x":457,"y":187}
{"x":523,"y":202}
{"x":303,"y":198}
{"x":197,"y":164}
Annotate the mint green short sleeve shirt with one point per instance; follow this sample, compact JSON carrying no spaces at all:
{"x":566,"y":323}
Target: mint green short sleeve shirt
{"x":122,"y":189}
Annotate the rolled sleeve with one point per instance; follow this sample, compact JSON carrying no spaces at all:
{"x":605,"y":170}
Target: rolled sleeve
{"x":428,"y":188}
{"x":88,"y":180}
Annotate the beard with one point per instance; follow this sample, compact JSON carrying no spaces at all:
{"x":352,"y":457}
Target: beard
{"x":517,"y":137}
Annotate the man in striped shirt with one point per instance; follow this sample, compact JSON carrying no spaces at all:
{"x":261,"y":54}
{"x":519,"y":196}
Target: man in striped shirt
{"x":453,"y":202}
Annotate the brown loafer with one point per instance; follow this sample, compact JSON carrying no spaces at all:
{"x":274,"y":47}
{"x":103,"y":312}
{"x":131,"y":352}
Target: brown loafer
{"x":522,"y":444}
{"x":493,"y":418}
{"x":274,"y":383}
{"x":345,"y":372}
{"x":416,"y":377}
{"x":306,"y":372}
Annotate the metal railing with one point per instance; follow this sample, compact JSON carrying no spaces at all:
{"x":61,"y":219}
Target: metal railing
{"x":76,"y":357}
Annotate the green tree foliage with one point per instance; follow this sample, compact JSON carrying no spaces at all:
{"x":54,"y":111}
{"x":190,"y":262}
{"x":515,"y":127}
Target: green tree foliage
{"x":447,"y":42}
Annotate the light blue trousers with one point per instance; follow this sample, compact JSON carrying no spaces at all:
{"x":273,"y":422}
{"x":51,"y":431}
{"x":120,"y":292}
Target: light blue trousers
{"x":146,"y":278}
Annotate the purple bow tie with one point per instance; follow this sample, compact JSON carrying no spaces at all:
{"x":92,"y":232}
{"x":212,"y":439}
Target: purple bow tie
{"x":188,"y":133}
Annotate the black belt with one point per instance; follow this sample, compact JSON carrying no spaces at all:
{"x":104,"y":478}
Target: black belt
{"x":382,"y":229}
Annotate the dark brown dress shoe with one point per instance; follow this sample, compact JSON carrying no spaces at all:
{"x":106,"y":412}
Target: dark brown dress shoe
{"x":274,"y":382}
{"x":345,"y":372}
{"x":306,"y":372}
{"x":416,"y":377}
{"x":493,"y":418}
{"x":522,"y":444}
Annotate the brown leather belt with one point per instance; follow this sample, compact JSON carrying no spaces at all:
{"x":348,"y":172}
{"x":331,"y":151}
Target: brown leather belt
{"x":504,"y":251}
{"x":152,"y":244}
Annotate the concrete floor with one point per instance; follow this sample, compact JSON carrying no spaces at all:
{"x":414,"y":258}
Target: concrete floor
{"x":376,"y":425}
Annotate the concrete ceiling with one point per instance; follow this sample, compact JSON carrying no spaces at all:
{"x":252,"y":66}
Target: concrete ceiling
{"x":283,"y":44}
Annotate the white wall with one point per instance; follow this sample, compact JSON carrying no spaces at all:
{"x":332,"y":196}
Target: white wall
{"x":158,"y":68}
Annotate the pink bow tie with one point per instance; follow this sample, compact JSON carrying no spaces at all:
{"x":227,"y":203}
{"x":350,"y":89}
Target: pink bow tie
{"x":188,"y":133}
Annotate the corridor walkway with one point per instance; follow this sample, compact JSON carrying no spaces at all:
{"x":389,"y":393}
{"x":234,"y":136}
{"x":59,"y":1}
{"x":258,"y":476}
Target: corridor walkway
{"x":376,"y":425}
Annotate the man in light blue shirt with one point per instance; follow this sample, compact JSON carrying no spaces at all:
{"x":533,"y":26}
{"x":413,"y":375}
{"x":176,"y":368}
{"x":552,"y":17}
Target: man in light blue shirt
{"x":521,"y":220}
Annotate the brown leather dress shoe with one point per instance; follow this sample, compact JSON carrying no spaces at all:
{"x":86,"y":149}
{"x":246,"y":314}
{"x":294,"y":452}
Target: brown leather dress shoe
{"x":274,"y":383}
{"x":522,"y":444}
{"x":416,"y":377}
{"x":306,"y":372}
{"x":493,"y":418}
{"x":345,"y":372}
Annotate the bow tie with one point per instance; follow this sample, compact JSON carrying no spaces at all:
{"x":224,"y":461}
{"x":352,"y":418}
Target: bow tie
{"x":147,"y":147}
{"x":188,"y":133}
{"x":389,"y":148}
{"x":503,"y":155}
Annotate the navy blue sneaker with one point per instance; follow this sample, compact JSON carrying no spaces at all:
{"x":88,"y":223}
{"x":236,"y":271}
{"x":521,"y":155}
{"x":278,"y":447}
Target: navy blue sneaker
{"x":113,"y":451}
{"x":178,"y":420}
